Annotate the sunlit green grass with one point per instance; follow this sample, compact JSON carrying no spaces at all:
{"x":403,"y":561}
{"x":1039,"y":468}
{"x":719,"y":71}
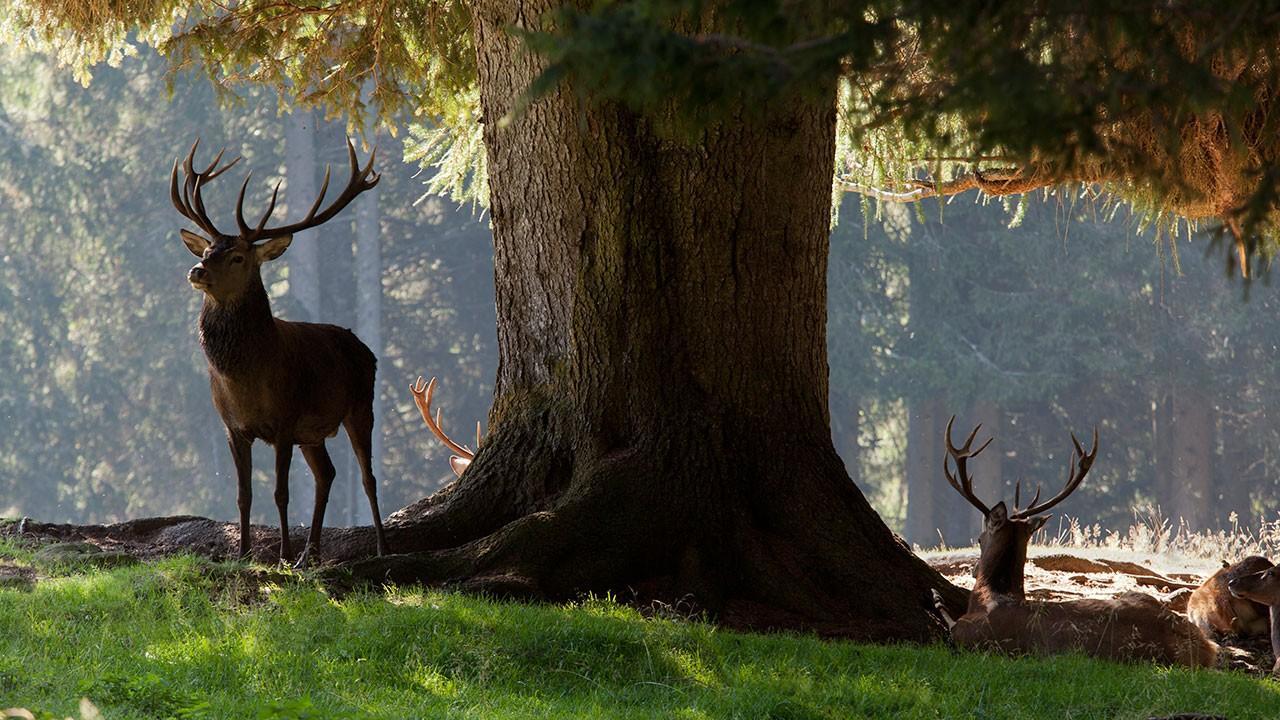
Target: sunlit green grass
{"x":186,"y":638}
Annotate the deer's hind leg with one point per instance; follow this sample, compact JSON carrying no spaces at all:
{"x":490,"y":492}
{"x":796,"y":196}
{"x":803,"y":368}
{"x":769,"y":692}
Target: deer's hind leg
{"x":321,"y":465}
{"x":359,"y":425}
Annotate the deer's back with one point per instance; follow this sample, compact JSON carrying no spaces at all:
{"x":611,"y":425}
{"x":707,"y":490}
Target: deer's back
{"x":300,"y":390}
{"x":1129,"y":627}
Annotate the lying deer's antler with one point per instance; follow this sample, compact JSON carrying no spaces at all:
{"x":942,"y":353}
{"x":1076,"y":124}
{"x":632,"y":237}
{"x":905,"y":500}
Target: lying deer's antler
{"x":422,"y":393}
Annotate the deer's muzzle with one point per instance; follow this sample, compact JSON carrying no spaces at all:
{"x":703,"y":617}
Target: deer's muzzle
{"x":198,"y":276}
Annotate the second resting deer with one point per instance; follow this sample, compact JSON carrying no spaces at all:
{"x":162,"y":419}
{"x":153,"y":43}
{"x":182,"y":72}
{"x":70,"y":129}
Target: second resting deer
{"x":1263,"y":587}
{"x":1215,"y":609}
{"x":463,"y":456}
{"x":1131,"y":626}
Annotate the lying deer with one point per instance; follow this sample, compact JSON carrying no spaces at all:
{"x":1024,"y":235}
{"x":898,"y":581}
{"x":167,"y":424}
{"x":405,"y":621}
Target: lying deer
{"x":1131,"y":626}
{"x":286,"y":383}
{"x":1214,"y":608}
{"x":422,"y":398}
{"x":1263,"y":587}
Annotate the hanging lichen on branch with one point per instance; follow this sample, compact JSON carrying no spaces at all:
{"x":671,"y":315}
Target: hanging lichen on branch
{"x":1168,"y":110}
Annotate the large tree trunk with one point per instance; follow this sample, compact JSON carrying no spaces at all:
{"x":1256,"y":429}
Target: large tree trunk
{"x":660,"y":423}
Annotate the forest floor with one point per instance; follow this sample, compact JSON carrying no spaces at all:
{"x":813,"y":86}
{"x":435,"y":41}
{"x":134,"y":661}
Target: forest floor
{"x":185,"y":637}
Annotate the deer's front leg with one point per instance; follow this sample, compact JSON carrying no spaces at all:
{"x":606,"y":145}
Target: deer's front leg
{"x":941,"y":607}
{"x":241,"y":454}
{"x":284,"y":455}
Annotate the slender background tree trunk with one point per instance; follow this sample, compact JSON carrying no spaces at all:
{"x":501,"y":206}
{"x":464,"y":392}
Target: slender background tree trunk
{"x":303,"y":260}
{"x":925,"y":425}
{"x":368,"y":250}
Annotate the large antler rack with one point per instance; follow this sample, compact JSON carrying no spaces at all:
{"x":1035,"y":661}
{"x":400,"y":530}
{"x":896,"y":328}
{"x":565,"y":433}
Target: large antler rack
{"x":191,"y":205}
{"x":1078,"y":466}
{"x":962,"y":455}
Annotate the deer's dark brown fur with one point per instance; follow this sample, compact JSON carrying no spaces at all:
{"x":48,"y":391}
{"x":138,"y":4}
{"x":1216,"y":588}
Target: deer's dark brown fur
{"x":1213,"y":608}
{"x":286,"y":383}
{"x":1262,"y":587}
{"x":1131,"y":626}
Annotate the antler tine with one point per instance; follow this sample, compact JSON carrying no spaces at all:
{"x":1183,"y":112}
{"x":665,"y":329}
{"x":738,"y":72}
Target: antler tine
{"x":1017,"y":496}
{"x":173,"y":192}
{"x":422,"y":398}
{"x":209,"y":173}
{"x":961,"y":481}
{"x":1078,"y":466}
{"x":361,"y":180}
{"x":198,"y":201}
{"x":324,"y":188}
{"x":245,"y":230}
{"x":191,"y":158}
{"x":271,"y":207}
{"x":190,"y":203}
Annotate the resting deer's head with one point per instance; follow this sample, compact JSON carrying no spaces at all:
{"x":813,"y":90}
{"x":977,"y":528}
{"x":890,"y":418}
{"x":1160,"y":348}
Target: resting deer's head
{"x":230,"y":264}
{"x":1262,"y":587}
{"x":1005,"y":535}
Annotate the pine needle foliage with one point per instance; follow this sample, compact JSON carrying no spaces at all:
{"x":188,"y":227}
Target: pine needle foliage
{"x":1166,"y":104}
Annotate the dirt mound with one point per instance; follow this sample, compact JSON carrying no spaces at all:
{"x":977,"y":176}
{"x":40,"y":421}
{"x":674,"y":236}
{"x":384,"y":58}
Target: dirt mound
{"x":188,"y":534}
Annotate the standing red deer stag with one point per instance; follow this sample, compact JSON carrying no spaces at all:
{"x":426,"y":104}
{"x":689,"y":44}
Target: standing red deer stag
{"x":1131,"y":626}
{"x":286,"y":383}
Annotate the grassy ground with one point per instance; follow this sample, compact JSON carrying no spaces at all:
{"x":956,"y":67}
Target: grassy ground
{"x":186,"y":638}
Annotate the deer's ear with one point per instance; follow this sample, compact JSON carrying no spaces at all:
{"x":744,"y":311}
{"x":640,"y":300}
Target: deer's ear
{"x":1038,"y":522}
{"x":273,"y":248}
{"x":197,"y":244}
{"x":998,"y":516}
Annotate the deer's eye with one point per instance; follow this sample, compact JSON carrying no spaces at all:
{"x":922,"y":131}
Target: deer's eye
{"x":237,"y":259}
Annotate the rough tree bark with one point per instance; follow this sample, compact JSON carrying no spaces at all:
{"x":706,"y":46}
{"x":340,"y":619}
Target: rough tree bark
{"x":660,"y":424}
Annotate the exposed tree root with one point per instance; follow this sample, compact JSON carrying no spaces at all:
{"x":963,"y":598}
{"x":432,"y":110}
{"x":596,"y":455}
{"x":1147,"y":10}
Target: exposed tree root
{"x":661,"y":525}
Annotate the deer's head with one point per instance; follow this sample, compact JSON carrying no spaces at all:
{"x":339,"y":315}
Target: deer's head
{"x":230,"y":264}
{"x":1261,"y":587}
{"x":1005,"y":535}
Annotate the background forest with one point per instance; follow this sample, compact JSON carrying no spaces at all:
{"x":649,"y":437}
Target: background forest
{"x":1070,"y":319}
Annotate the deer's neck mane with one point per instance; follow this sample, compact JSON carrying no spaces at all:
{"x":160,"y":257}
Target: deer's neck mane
{"x":999,"y":577}
{"x":237,"y":334}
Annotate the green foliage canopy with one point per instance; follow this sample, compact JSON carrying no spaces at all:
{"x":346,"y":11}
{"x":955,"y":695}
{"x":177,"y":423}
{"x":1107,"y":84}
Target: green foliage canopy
{"x":1166,"y":104}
